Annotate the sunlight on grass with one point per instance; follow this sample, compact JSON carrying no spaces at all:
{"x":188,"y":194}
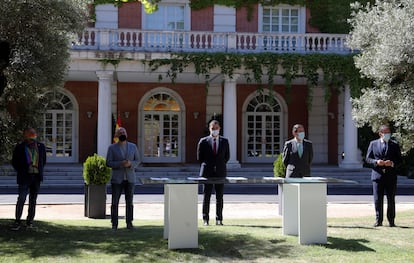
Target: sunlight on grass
{"x":240,"y":240}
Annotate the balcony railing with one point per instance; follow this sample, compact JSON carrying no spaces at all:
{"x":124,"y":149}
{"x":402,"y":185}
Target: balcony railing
{"x":197,"y":41}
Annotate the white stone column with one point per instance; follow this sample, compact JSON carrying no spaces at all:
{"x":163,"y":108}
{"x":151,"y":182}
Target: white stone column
{"x":351,"y":157}
{"x":230,"y":118}
{"x":104,"y":132}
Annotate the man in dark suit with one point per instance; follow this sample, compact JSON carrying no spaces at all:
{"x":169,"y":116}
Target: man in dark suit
{"x":213,"y":152}
{"x":29,"y":159}
{"x":384,"y":155}
{"x":123,"y":157}
{"x":298,"y":153}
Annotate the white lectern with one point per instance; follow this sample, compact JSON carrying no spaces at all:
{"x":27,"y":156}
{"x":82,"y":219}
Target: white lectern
{"x":180,"y":215}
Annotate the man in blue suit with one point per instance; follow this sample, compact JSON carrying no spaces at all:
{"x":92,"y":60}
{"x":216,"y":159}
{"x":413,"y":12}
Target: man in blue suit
{"x":298,"y":153}
{"x":213,"y":152}
{"x":123,"y":157}
{"x":384,"y":155}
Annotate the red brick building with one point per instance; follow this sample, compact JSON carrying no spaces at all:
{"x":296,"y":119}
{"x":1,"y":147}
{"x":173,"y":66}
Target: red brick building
{"x":107,"y":77}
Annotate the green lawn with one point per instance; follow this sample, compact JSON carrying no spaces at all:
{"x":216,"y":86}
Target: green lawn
{"x":349,"y":240}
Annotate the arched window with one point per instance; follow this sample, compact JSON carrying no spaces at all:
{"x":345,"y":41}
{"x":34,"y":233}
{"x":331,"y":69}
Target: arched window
{"x":263,"y":128}
{"x":58,"y":131}
{"x":162,"y":126}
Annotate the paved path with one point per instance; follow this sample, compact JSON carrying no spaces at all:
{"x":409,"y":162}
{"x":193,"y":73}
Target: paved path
{"x":236,"y":206}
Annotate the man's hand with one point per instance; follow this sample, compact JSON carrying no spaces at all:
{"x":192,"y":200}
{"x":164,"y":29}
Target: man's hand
{"x":380,"y":163}
{"x":126,"y":163}
{"x":385,"y":163}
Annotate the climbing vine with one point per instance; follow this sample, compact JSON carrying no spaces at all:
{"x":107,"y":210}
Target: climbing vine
{"x":337,"y":70}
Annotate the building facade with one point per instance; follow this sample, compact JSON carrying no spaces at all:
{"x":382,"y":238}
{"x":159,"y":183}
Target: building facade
{"x":109,"y":76}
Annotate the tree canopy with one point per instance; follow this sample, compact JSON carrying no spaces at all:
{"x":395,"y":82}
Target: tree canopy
{"x":383,"y":33}
{"x":38,"y":33}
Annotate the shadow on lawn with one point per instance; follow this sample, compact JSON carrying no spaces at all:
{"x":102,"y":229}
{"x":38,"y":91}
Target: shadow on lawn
{"x":255,"y":226}
{"x":356,"y":245}
{"x":145,"y":243}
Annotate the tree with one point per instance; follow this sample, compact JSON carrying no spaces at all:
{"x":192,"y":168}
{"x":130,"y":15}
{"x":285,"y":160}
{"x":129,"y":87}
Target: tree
{"x":39,"y":33}
{"x":330,"y":16}
{"x":383,"y":35}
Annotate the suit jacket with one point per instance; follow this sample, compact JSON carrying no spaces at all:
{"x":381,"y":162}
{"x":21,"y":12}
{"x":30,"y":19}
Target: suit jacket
{"x":114,"y":159}
{"x":297,"y":166}
{"x":20,"y":164}
{"x":375,"y":153}
{"x":215,"y":163}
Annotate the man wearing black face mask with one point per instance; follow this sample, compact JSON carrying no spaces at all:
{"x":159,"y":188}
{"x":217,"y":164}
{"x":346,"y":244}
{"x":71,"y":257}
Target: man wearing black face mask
{"x":123,"y":157}
{"x":29,"y":158}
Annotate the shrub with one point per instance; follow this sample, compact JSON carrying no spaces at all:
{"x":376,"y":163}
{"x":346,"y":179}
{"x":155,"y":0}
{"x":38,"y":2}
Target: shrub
{"x":95,"y":170}
{"x":279,"y":168}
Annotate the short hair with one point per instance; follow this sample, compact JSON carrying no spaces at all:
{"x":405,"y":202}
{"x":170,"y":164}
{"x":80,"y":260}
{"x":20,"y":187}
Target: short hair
{"x":383,"y":127}
{"x":28,"y":128}
{"x":213,"y":122}
{"x":296,"y":127}
{"x":119,"y":130}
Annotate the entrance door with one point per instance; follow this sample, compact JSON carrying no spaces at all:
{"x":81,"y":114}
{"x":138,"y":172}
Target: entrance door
{"x":58,"y":128}
{"x":264,"y":140}
{"x":161,"y":139}
{"x":162,"y":128}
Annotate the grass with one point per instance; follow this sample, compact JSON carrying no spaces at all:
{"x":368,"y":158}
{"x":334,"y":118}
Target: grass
{"x":244,"y":240}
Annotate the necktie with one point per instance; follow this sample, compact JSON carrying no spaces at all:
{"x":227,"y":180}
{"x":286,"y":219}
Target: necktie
{"x":214,"y":146}
{"x":384,"y":148}
{"x":300,"y":149}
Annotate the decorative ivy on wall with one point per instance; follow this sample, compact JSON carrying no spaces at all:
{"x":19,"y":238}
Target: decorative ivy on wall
{"x":337,"y":70}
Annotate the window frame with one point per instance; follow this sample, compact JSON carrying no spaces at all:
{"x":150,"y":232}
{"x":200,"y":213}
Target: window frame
{"x":187,"y":15}
{"x":301,"y":18}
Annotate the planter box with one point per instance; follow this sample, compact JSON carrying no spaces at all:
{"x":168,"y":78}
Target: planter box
{"x":95,"y":201}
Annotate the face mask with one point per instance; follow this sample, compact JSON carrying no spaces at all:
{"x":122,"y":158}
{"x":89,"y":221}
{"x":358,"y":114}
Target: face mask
{"x":301,"y":135}
{"x":386,"y":137}
{"x":32,"y":137}
{"x":215,"y":133}
{"x":122,"y":137}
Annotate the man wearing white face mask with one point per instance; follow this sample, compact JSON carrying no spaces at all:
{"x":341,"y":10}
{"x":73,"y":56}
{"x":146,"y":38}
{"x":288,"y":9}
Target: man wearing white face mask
{"x":384,"y":155}
{"x":213,"y":152}
{"x":298,"y":153}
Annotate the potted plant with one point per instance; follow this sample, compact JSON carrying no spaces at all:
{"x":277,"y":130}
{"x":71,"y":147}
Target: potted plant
{"x":279,"y":170}
{"x":96,"y":175}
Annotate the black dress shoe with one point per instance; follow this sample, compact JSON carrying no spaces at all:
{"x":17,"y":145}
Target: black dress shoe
{"x":377,"y":224}
{"x":130,"y":226}
{"x":392,"y":224}
{"x":205,"y":222}
{"x":219,"y":222}
{"x":16,"y":226}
